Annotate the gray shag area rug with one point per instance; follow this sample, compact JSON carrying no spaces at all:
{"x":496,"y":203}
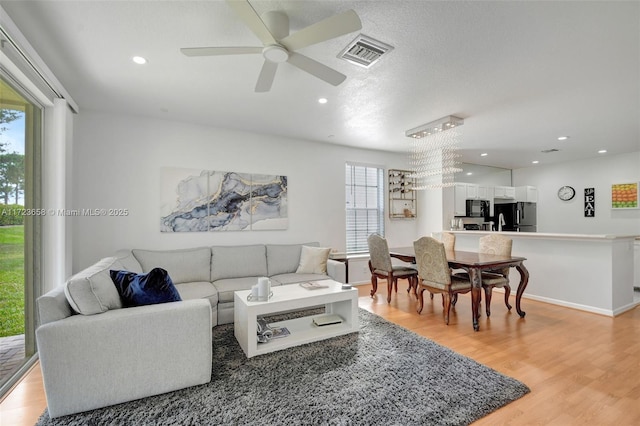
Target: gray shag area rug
{"x":383,"y":375}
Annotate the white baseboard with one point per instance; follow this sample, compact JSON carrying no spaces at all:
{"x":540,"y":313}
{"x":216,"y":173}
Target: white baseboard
{"x":585,"y":308}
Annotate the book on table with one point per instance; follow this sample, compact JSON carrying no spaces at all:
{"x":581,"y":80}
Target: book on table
{"x":327,"y":320}
{"x":313,"y":285}
{"x":279,"y":332}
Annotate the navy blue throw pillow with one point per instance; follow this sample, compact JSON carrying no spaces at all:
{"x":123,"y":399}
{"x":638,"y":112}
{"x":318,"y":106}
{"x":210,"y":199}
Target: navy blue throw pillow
{"x":145,"y":289}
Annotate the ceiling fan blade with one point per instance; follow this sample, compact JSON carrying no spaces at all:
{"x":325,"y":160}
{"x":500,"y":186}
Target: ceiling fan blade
{"x":247,"y":13}
{"x":335,"y":26}
{"x":214,"y":51}
{"x":315,"y":68}
{"x":267,"y":74}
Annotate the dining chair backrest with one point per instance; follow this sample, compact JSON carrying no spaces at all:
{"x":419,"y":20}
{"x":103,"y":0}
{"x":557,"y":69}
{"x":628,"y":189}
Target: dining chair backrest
{"x":449,"y":241}
{"x":496,"y":244}
{"x":431,"y":260}
{"x":379,"y":253}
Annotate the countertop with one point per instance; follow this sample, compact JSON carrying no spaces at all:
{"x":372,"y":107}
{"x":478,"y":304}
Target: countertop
{"x":547,"y":235}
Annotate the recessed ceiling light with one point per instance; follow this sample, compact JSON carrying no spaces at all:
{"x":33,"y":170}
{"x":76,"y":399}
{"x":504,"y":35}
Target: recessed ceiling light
{"x":322,"y":101}
{"x":484,"y":154}
{"x":139,"y":60}
{"x":563,"y":138}
{"x":535,"y":162}
{"x":602,"y":151}
{"x":469,"y":173}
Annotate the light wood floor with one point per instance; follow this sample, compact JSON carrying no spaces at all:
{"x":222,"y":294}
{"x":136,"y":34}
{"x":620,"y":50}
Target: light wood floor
{"x":582,"y":368}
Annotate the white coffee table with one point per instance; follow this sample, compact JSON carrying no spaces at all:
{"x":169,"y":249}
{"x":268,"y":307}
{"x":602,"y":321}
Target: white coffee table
{"x":293,"y":297}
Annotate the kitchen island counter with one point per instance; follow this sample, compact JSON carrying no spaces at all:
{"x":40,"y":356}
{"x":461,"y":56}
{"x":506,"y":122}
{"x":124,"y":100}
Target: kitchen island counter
{"x":593,"y":272}
{"x":548,"y":235}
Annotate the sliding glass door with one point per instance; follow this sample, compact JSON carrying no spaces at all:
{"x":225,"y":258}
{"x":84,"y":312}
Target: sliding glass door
{"x":20,"y":224}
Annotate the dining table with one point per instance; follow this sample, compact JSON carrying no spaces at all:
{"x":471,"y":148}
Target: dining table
{"x":474,"y":263}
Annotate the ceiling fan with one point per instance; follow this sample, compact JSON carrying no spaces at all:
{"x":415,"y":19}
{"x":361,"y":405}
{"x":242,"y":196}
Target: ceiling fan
{"x":278,"y":46}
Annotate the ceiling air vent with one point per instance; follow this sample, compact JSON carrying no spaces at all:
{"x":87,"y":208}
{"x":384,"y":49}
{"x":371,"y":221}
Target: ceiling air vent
{"x":547,"y":151}
{"x":364,"y":51}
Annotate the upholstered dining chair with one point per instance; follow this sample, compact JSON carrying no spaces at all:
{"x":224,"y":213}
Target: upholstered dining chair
{"x":381,"y":267}
{"x":449,"y":241}
{"x":496,"y":244}
{"x":434,"y":274}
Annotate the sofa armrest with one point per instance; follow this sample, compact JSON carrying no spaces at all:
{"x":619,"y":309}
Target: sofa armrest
{"x":120,"y":355}
{"x":337,"y":270}
{"x":53,"y":306}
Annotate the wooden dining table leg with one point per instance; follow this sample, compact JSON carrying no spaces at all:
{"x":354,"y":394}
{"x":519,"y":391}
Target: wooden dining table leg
{"x":476,"y":295}
{"x":524,"y":280}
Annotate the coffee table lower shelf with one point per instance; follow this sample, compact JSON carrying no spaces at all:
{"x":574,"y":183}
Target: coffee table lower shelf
{"x":303,"y":330}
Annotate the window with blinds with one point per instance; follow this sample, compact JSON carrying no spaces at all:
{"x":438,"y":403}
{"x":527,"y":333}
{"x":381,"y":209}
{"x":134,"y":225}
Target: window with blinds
{"x":364,"y":205}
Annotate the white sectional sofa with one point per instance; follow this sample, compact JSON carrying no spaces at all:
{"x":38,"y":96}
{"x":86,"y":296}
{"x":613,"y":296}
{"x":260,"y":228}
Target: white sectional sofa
{"x":95,"y":353}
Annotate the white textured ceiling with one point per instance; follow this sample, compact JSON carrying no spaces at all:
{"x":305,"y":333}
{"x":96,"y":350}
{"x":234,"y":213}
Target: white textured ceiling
{"x":520,"y":73}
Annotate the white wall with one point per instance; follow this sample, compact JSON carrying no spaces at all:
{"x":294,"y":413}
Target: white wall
{"x":117,"y":161}
{"x":600,"y":173}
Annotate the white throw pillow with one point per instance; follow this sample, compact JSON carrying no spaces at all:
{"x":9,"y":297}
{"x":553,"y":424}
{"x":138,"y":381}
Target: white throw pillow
{"x":313,"y":260}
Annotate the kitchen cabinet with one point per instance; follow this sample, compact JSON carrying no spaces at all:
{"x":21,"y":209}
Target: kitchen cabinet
{"x":468,"y":191}
{"x":504,"y":192}
{"x":527,"y":194}
{"x":460,"y":199}
{"x":483,"y":193}
{"x":402,"y":196}
{"x":472,"y":191}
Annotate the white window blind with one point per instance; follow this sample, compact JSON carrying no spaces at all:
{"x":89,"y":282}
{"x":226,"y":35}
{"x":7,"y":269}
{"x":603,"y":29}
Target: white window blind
{"x":364,"y":205}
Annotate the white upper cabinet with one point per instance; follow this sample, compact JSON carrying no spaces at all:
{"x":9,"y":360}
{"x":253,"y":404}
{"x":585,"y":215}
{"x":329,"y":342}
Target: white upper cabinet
{"x":528,"y":194}
{"x":460,"y":199}
{"x":472,"y":191}
{"x":484,"y":193}
{"x":505,"y":192}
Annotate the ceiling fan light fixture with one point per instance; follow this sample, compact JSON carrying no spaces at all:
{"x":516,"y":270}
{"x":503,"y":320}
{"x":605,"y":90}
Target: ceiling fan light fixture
{"x":276,"y":54}
{"x":279,"y":46}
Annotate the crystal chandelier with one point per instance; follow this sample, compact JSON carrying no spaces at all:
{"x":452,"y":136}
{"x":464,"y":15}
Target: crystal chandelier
{"x":434,"y":152}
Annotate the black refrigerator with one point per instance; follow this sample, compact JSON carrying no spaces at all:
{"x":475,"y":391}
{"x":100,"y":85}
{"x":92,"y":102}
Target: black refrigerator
{"x":518,"y":217}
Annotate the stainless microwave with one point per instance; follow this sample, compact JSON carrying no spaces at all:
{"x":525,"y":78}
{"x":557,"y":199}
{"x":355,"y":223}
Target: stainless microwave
{"x":477,"y":208}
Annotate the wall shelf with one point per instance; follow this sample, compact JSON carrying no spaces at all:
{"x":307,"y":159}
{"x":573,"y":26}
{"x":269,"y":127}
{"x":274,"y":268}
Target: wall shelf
{"x":402,"y":196}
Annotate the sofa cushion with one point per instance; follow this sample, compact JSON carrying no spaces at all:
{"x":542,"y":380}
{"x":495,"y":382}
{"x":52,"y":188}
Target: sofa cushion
{"x":238,"y":261}
{"x":313,"y":260}
{"x":227,"y":286}
{"x":129,"y":261}
{"x":198,"y":290}
{"x":183,"y":266}
{"x":145,"y":289}
{"x":284,"y":258}
{"x":284,"y":279}
{"x":91,"y":290}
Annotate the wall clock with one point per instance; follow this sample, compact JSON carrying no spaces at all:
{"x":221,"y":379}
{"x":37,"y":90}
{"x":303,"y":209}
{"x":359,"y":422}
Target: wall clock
{"x":566,"y":193}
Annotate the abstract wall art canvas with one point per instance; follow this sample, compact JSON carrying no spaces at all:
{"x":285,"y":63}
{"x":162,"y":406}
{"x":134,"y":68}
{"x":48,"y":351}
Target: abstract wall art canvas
{"x":205,"y":200}
{"x":184,"y":195}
